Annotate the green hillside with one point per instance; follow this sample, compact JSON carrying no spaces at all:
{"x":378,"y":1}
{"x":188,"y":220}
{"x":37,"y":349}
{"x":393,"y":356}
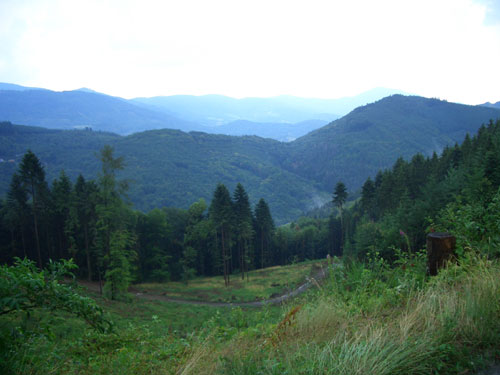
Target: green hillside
{"x":173,"y":168}
{"x":168,"y":167}
{"x":372,"y":137}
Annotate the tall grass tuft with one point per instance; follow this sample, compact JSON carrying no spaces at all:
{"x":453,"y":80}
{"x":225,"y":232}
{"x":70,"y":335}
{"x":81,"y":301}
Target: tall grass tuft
{"x":437,"y":327}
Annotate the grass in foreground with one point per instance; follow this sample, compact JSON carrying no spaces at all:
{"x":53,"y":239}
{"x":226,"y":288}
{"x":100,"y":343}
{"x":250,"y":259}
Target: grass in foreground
{"x":261,"y":284}
{"x":372,"y":320}
{"x":366,"y":319}
{"x":149,"y":337}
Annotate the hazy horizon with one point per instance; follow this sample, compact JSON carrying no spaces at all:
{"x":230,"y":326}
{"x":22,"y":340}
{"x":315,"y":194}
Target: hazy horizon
{"x":449,"y":49}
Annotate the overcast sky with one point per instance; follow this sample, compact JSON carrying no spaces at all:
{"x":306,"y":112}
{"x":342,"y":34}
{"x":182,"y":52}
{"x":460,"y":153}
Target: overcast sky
{"x":312,"y":48}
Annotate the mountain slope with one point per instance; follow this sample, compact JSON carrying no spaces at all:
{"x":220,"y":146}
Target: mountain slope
{"x":73,"y":109}
{"x":213,"y":110}
{"x":372,"y":137}
{"x":168,"y":167}
{"x":491,"y":105}
{"x":12,"y":86}
{"x":279,"y":131}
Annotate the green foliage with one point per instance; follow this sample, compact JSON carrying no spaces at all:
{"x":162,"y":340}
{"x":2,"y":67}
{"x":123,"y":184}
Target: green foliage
{"x":339,"y":195}
{"x":476,"y":225}
{"x":455,"y":192}
{"x":24,"y":288}
{"x":119,"y":263}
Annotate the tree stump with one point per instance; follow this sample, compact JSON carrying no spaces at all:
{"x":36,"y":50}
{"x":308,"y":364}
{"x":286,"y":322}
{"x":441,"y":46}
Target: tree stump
{"x":440,"y":250}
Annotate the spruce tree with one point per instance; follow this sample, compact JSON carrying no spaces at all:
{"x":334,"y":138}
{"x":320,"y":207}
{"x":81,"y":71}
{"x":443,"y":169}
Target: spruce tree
{"x":17,"y":212}
{"x":221,"y":214}
{"x":243,"y":226}
{"x":339,"y":198}
{"x":61,"y":201}
{"x":33,"y":177}
{"x":264,"y":229}
{"x":81,"y":227}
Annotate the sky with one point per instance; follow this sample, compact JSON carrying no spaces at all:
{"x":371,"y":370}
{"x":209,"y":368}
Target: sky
{"x":448,"y":49}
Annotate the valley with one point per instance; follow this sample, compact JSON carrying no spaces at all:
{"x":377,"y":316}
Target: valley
{"x":185,"y":272}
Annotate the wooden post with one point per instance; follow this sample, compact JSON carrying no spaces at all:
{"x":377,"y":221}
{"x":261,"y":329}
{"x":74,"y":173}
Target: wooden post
{"x":440,"y":249}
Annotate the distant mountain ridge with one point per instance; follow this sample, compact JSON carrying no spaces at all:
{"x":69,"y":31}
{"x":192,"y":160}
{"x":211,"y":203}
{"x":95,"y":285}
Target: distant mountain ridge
{"x":215,"y":110}
{"x":81,"y":108}
{"x":282,"y":118}
{"x":280,"y":131}
{"x":491,"y":105}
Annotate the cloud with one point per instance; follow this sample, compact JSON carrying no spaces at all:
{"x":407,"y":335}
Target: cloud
{"x":322,"y":48}
{"x":492,"y":11}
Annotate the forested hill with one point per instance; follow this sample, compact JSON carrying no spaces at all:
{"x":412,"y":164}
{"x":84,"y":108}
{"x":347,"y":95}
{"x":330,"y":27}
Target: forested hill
{"x":168,"y":167}
{"x":372,"y":137}
{"x":82,"y":108}
{"x":173,"y":168}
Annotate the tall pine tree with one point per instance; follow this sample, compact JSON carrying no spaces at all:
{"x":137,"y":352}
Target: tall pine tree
{"x":33,"y":178}
{"x":242,"y":226}
{"x":221,"y":214}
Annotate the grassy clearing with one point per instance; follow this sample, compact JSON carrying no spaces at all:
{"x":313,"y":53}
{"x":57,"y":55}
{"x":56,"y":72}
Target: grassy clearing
{"x":263,"y":284}
{"x":149,"y":337}
{"x":371,"y":320}
{"x":365,"y":319}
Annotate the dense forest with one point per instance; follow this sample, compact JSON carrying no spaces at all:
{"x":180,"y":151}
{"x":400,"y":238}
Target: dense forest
{"x":457,"y":192}
{"x":173,"y":168}
{"x":91,"y":222}
{"x":376,"y":310}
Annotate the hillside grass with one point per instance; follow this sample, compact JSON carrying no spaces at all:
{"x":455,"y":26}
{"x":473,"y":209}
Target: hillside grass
{"x":374,"y":320}
{"x":261,"y":284}
{"x":366,"y":318}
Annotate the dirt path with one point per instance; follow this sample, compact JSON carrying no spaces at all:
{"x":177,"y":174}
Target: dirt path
{"x":314,"y":280}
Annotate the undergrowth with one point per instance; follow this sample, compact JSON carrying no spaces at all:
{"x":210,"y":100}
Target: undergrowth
{"x":375,"y":319}
{"x":366,"y":318}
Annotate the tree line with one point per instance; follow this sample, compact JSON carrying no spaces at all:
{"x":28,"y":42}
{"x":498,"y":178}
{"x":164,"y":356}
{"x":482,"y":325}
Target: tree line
{"x":454,"y":191}
{"x":91,"y":222}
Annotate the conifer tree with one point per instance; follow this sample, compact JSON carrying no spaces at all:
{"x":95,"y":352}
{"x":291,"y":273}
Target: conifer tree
{"x":110,"y":223}
{"x":221,"y":214}
{"x":243,"y":226}
{"x":33,"y":178}
{"x":119,"y":272}
{"x":339,"y":198}
{"x":17,"y":212}
{"x":81,"y":226}
{"x":264,"y":229}
{"x":61,"y":199}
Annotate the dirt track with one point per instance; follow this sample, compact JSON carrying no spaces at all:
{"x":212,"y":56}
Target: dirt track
{"x":314,"y":280}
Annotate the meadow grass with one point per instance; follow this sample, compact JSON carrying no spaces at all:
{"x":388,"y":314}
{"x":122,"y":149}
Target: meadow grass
{"x":365,"y":319}
{"x":260,"y":284}
{"x":388,"y":323}
{"x":149,"y":337}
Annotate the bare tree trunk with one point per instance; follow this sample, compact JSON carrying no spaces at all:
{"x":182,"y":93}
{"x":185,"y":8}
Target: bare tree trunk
{"x":12,"y":241}
{"x":100,"y":279}
{"x":261,"y":249}
{"x":24,"y":243}
{"x":87,"y":252}
{"x":37,"y":238}
{"x":241,"y":252}
{"x":224,"y":260}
